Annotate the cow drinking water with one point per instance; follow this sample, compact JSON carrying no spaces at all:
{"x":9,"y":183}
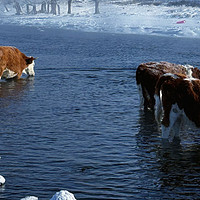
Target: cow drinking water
{"x":13,"y":63}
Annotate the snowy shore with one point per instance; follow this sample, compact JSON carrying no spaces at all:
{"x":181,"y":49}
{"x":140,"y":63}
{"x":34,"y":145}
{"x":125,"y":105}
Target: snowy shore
{"x":115,"y":18}
{"x":62,"y":195}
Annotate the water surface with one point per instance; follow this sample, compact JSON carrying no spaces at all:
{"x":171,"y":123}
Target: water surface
{"x":77,"y":124}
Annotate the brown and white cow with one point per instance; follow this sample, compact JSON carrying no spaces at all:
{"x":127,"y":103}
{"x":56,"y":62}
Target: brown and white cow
{"x":13,"y":63}
{"x":177,"y":98}
{"x":147,"y":75}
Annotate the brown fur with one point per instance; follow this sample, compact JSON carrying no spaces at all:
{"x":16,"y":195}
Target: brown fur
{"x":183,"y":92}
{"x":13,"y":59}
{"x":167,"y":85}
{"x":148,"y":74}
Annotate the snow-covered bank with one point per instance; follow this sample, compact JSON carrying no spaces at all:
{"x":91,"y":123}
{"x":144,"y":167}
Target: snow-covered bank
{"x":114,"y":18}
{"x":62,"y":195}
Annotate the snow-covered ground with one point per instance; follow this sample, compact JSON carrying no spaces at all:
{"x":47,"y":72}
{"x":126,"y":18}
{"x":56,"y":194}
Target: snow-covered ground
{"x":115,"y":18}
{"x":62,"y":195}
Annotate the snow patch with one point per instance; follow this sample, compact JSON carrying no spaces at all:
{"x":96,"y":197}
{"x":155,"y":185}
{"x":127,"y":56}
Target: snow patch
{"x":2,"y":180}
{"x":116,"y":18}
{"x":30,"y":198}
{"x":63,"y":195}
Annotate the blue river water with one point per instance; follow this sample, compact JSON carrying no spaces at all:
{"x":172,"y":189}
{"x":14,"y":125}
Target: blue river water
{"x":77,"y":125}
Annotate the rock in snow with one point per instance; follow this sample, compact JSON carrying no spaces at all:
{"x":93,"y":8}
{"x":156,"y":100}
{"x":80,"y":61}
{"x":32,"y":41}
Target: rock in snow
{"x":2,"y":180}
{"x":63,"y":195}
{"x":30,"y":198}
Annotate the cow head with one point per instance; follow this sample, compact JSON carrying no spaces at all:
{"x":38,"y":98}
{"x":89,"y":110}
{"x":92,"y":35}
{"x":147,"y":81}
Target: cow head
{"x":30,"y":66}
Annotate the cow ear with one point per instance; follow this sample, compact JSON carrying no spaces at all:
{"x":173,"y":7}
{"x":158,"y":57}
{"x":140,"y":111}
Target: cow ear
{"x":29,"y":60}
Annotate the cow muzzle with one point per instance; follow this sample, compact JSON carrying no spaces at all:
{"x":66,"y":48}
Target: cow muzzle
{"x":30,"y":69}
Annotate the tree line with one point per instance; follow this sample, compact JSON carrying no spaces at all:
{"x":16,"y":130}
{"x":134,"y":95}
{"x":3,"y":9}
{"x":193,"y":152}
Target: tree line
{"x":45,"y":6}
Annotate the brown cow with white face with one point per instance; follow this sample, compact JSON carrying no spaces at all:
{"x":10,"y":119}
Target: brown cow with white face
{"x":13,"y":63}
{"x":177,"y":98}
{"x":148,"y":74}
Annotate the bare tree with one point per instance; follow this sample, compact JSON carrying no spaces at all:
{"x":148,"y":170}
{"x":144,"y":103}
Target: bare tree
{"x":33,"y":11}
{"x":17,"y":7}
{"x":69,"y":7}
{"x":6,"y":8}
{"x":5,"y":3}
{"x":53,"y":6}
{"x":58,"y":9}
{"x":43,"y":7}
{"x":96,"y":6}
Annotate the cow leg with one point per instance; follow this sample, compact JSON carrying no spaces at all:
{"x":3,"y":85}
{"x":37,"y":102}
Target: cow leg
{"x":165,"y":131}
{"x":7,"y":74}
{"x":146,"y":97}
{"x":19,"y":75}
{"x":176,"y":127}
{"x":174,"y":123}
{"x":141,"y":95}
{"x":158,"y":109}
{"x":1,"y":71}
{"x":177,"y":113}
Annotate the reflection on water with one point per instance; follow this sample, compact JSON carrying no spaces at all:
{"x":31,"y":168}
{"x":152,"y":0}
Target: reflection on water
{"x":148,"y":126}
{"x":11,"y":94}
{"x":13,"y":90}
{"x":177,"y":165}
{"x":180,"y":168}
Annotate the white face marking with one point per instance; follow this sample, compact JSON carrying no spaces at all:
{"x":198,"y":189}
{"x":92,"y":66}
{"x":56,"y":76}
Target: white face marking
{"x":188,"y":67}
{"x":30,"y":69}
{"x":189,"y":72}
